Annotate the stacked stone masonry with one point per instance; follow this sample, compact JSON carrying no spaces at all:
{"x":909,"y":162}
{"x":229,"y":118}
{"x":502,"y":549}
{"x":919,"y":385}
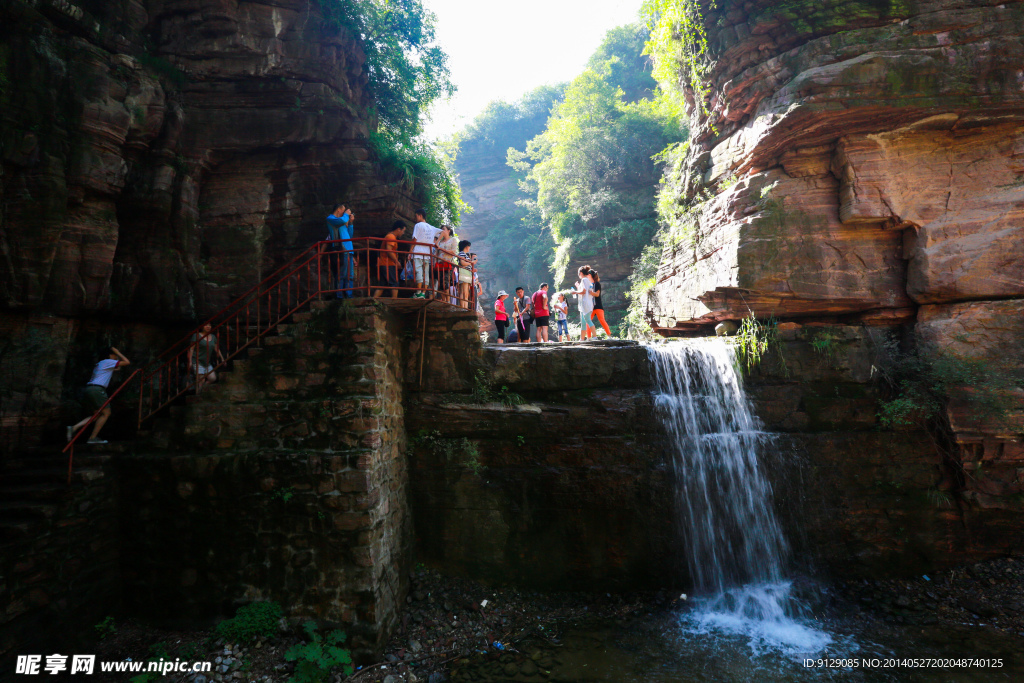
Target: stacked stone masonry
{"x":286,"y":481}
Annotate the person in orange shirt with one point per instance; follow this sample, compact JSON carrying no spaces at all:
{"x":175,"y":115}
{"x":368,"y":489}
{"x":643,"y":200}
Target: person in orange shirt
{"x":387,"y":260}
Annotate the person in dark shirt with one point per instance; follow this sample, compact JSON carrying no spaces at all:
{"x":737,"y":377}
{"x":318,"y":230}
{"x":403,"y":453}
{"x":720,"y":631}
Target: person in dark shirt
{"x":525,"y":318}
{"x":598,"y":311}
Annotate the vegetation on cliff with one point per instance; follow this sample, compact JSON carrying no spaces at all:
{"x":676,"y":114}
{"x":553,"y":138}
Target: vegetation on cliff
{"x":591,"y":171}
{"x":678,"y":44}
{"x":407,"y":71}
{"x":520,"y":250}
{"x":587,"y":180}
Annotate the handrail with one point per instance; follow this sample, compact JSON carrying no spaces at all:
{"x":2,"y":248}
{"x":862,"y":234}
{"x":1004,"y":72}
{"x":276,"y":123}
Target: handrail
{"x":242,"y":296}
{"x":70,"y":448}
{"x":321,"y":269}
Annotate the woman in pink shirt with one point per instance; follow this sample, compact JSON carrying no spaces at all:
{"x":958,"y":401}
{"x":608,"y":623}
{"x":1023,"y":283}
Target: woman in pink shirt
{"x":501,"y":315}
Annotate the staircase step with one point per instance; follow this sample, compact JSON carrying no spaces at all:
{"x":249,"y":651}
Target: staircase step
{"x":11,"y":530}
{"x":26,"y":510}
{"x":35,"y":492}
{"x":302,"y":317}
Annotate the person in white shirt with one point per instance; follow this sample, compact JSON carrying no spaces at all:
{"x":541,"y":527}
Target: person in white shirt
{"x":562,"y":306}
{"x":584,"y":290}
{"x":423,"y":234}
{"x":95,"y":396}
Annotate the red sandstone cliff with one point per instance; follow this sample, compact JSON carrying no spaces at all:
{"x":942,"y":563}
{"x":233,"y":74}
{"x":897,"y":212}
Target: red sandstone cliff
{"x":879,"y":152}
{"x":867,"y":165}
{"x":158,"y":156}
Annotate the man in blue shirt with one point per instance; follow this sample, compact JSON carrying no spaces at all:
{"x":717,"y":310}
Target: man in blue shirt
{"x":342,"y":265}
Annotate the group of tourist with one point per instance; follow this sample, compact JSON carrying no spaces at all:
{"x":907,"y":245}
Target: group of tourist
{"x":538,"y":309}
{"x":438,"y":265}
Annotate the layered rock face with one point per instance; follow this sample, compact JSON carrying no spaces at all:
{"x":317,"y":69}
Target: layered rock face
{"x":865,"y":164}
{"x":877,"y":152}
{"x":159,"y":157}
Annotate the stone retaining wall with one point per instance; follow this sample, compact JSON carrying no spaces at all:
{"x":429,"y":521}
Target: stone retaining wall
{"x":575,"y":489}
{"x":286,"y":481}
{"x":63,"y":575}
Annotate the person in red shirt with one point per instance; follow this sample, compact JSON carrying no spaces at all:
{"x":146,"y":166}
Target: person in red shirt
{"x":501,"y":315}
{"x":541,"y":312}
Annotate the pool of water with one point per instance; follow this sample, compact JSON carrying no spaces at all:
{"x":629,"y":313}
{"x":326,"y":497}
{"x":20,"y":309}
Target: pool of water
{"x":727,"y":639}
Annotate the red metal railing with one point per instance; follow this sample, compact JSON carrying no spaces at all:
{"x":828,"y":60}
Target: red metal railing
{"x":366,"y":269}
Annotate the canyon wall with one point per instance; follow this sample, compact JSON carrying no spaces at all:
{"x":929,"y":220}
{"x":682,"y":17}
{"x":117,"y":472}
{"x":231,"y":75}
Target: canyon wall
{"x":866,"y":161}
{"x":863,"y":163}
{"x":158,"y":158}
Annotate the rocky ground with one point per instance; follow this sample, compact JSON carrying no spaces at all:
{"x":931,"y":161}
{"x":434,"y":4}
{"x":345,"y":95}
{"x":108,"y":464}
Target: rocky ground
{"x":987,"y":593}
{"x":448,"y":623}
{"x":458,"y":630}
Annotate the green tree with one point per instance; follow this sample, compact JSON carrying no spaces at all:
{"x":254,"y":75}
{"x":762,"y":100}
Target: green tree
{"x":406,"y":69}
{"x":591,"y":171}
{"x":621,"y":59}
{"x":406,"y":72}
{"x":523,"y":247}
{"x":679,"y":45}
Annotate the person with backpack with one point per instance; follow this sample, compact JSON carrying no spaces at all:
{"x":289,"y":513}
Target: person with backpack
{"x":94,"y":396}
{"x":541,"y":312}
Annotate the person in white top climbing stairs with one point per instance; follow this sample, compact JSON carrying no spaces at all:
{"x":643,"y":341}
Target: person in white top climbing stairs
{"x":95,"y":395}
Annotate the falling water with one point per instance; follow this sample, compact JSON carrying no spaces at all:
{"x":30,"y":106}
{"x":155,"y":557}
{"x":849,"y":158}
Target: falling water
{"x":735,"y":547}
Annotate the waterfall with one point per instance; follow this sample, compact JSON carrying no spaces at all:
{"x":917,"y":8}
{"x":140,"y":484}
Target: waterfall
{"x":735,"y":548}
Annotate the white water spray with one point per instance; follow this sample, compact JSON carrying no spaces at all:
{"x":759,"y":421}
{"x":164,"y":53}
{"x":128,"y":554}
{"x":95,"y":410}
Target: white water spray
{"x":735,"y":548}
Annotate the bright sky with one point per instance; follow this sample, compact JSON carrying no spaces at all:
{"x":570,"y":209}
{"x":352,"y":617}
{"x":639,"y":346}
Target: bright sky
{"x":501,"y":50}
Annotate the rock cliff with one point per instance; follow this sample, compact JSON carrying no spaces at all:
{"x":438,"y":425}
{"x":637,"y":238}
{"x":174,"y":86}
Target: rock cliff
{"x":863,"y":163}
{"x":866,"y":159}
{"x":159,"y":157}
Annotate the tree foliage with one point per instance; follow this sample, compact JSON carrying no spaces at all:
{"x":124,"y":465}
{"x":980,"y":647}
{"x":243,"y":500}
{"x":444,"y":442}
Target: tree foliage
{"x":591,"y":171}
{"x":406,"y":72}
{"x":509,"y":124}
{"x":406,"y":69}
{"x":619,"y":60}
{"x":522,"y":248}
{"x":679,"y":45}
